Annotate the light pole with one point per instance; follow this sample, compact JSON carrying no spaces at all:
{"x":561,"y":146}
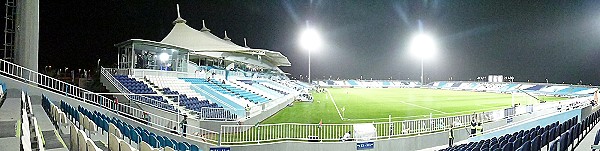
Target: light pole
{"x":310,"y":41}
{"x":422,"y":46}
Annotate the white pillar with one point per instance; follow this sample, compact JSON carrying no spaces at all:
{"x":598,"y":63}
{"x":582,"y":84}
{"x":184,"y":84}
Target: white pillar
{"x":27,"y":33}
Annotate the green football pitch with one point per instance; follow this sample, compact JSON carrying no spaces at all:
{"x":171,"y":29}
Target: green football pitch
{"x":365,"y":105}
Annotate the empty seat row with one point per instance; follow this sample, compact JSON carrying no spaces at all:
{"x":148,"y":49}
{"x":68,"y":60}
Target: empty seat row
{"x":558,"y":136}
{"x":138,"y":134}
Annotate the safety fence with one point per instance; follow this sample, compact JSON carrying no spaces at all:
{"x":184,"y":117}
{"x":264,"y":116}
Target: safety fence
{"x":247,"y":134}
{"x":243,"y":134}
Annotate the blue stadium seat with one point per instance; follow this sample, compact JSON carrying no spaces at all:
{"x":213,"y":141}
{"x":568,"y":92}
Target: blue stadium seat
{"x":194,"y":148}
{"x":526,"y":146}
{"x":182,"y":146}
{"x":564,"y":141}
{"x":169,"y":143}
{"x":535,"y":143}
{"x":145,"y":137}
{"x":161,"y":141}
{"x":553,"y":146}
{"x":175,"y":144}
{"x":507,"y":147}
{"x":135,"y":137}
{"x":153,"y":141}
{"x":517,"y":143}
{"x":597,"y":138}
{"x":494,"y":146}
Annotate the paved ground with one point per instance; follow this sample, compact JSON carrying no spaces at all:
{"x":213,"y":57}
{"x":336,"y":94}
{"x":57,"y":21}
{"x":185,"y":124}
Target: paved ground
{"x":9,"y":115}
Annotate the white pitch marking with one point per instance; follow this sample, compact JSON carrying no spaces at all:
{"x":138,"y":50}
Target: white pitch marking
{"x":336,"y":108}
{"x":424,"y":107}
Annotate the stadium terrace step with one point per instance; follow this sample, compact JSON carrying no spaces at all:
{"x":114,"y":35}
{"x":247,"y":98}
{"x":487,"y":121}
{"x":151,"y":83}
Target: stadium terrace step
{"x":189,"y":98}
{"x":138,"y":87}
{"x":116,"y":130}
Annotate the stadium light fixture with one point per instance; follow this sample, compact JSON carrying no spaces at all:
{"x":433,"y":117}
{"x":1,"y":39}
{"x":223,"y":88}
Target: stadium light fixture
{"x":423,"y":47}
{"x":310,"y":40}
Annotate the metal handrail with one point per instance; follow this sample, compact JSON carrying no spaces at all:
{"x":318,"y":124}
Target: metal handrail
{"x":29,"y":76}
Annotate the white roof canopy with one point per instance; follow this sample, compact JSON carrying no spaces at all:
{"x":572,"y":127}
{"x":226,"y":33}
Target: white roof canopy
{"x":205,"y":43}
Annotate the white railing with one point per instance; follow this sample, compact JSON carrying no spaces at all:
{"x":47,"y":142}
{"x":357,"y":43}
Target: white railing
{"x":218,"y":114}
{"x":231,"y":109}
{"x":137,"y":98}
{"x":115,"y":71}
{"x":144,"y":72}
{"x":29,"y":76}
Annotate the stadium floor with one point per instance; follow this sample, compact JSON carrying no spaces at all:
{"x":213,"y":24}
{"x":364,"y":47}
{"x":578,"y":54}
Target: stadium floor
{"x":363,"y":105}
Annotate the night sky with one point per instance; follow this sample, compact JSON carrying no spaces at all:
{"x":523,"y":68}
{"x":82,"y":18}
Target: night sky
{"x":558,"y":40}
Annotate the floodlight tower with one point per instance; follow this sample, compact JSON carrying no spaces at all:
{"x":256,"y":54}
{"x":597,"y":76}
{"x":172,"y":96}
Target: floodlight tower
{"x":422,"y":46}
{"x":310,"y":40}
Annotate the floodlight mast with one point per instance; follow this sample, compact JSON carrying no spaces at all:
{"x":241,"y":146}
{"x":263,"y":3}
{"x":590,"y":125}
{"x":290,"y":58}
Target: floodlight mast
{"x":310,"y":41}
{"x":422,"y":46}
{"x":422,"y":72}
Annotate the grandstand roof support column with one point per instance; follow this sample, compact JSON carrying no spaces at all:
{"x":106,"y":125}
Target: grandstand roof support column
{"x":27,"y":33}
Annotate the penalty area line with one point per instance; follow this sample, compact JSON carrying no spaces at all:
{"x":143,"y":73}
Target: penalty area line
{"x":427,"y":115}
{"x":424,"y":107}
{"x":336,"y":108}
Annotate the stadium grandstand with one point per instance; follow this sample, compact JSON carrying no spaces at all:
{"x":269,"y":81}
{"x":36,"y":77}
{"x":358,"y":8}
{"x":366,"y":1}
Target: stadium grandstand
{"x":196,"y":91}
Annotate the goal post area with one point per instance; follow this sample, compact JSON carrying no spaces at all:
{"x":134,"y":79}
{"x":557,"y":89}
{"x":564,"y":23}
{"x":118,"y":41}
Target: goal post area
{"x":520,"y":97}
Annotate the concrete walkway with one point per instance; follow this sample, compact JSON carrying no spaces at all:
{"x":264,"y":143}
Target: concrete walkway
{"x":9,"y":115}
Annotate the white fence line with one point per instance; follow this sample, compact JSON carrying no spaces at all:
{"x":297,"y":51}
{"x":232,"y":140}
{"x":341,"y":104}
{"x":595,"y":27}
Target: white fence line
{"x":143,"y":72}
{"x":243,"y":134}
{"x":29,"y":76}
